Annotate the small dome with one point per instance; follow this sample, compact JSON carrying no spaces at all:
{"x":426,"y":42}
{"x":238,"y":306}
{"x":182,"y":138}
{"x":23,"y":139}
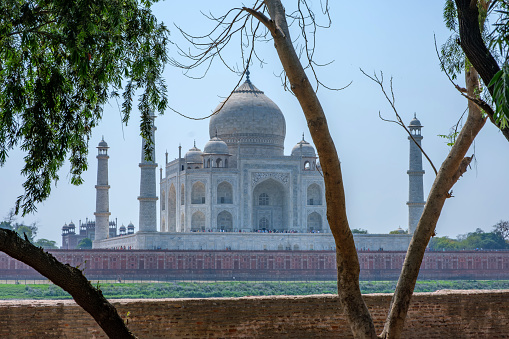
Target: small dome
{"x":399,"y":230}
{"x":71,"y":225}
{"x":103,"y":143}
{"x":415,"y":122}
{"x":303,"y":148}
{"x":130,"y":225}
{"x":65,"y":227}
{"x":215,"y":146}
{"x":122,"y":228}
{"x":193,"y":156}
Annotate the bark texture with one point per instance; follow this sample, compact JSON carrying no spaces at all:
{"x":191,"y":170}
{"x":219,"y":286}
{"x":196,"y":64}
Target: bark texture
{"x":475,"y":49}
{"x":451,"y":170}
{"x":347,"y":260}
{"x":68,"y":278}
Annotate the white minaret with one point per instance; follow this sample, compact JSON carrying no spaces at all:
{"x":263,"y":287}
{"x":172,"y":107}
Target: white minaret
{"x":415,"y":173}
{"x":102,"y":201}
{"x":148,"y":197}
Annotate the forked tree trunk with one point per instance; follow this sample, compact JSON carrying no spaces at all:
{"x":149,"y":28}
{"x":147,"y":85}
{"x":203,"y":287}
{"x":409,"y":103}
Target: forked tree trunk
{"x":68,"y":278}
{"x":451,"y":170}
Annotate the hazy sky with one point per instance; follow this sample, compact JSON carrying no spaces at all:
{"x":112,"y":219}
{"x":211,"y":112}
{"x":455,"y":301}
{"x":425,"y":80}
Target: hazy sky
{"x":395,"y":37}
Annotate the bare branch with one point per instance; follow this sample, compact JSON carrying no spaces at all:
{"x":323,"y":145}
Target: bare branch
{"x":399,"y":121}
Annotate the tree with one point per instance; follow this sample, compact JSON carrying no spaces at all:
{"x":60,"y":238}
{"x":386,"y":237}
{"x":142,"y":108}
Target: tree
{"x":359,"y":231}
{"x":25,"y":231}
{"x":444,"y":243}
{"x":60,"y":61}
{"x":70,"y":279}
{"x":479,"y":55}
{"x":85,"y":244}
{"x":46,"y":244}
{"x":271,"y":14}
{"x":502,"y":228}
{"x":471,"y":241}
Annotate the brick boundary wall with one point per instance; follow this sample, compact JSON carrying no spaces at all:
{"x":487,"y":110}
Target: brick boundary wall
{"x":443,"y":314}
{"x":262,"y":265}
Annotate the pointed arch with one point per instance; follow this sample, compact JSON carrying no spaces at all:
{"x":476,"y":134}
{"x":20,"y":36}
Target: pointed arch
{"x":182,"y":195}
{"x":182,"y":223}
{"x":163,"y":201}
{"x":224,"y":193}
{"x":314,"y":195}
{"x":270,"y":201}
{"x":198,"y":193}
{"x":172,"y":209}
{"x":314,"y":222}
{"x":225,"y":221}
{"x":198,"y":221}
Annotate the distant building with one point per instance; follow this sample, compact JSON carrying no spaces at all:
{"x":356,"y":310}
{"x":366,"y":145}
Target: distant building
{"x":71,"y":238}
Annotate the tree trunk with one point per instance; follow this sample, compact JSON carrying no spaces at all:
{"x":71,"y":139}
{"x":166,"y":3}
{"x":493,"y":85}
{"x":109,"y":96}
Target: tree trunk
{"x":347,"y":260}
{"x":68,"y":278}
{"x":473,"y":46}
{"x":451,"y":170}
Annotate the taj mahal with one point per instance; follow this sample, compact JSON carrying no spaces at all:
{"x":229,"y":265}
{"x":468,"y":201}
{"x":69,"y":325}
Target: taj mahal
{"x":241,"y":192}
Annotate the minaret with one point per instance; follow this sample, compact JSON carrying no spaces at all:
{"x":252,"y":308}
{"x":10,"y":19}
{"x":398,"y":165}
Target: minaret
{"x":415,"y":173}
{"x":148,"y":197}
{"x":102,"y":202}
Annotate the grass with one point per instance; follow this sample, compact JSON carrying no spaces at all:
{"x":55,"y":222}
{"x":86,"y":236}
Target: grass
{"x":234,"y":289}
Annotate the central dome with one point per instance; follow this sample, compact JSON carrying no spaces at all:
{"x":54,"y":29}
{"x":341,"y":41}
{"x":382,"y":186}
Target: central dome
{"x":249,"y":122}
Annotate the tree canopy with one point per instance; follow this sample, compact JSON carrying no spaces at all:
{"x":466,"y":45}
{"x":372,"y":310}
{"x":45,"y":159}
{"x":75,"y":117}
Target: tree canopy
{"x":478,"y":240}
{"x":85,"y":244}
{"x":60,"y":61}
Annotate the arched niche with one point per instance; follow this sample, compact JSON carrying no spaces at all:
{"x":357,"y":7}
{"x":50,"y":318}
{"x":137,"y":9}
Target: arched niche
{"x":314,"y":195}
{"x":270,"y":201}
{"x":224,"y":193}
{"x":198,"y":193}
{"x":197,"y":221}
{"x":225,"y":221}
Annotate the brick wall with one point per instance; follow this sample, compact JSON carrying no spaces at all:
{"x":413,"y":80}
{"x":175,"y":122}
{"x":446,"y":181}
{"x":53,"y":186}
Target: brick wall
{"x":166,"y":264}
{"x":445,"y":314}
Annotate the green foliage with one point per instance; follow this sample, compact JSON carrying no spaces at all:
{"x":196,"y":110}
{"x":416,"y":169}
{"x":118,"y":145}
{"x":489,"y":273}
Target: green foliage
{"x":451,"y":137}
{"x":85,"y":244}
{"x":60,"y":61}
{"x":474,"y":240}
{"x":500,"y":83}
{"x":47,"y":244}
{"x":359,"y":231}
{"x":234,"y":289}
{"x":502,"y":228}
{"x":6,"y":225}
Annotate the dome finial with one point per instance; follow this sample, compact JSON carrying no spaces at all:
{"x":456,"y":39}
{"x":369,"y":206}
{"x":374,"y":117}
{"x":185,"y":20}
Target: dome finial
{"x":415,"y":115}
{"x":302,"y":136}
{"x":247,"y":74}
{"x":195,"y":143}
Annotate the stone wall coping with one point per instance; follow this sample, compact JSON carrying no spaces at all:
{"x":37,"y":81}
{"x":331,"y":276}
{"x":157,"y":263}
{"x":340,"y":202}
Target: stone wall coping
{"x":71,"y":303}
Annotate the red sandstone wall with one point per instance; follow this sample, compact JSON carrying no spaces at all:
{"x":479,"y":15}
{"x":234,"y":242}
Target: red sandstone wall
{"x":453,"y":314}
{"x":110,"y":264}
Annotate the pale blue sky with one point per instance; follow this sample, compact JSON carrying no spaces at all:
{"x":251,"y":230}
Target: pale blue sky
{"x":393,"y":36}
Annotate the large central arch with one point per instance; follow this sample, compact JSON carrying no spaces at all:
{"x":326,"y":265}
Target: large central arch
{"x":270,"y":206}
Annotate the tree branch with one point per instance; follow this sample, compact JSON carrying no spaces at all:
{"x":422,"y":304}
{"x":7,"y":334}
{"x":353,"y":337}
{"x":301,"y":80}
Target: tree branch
{"x":69,"y":279}
{"x":400,"y":121}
